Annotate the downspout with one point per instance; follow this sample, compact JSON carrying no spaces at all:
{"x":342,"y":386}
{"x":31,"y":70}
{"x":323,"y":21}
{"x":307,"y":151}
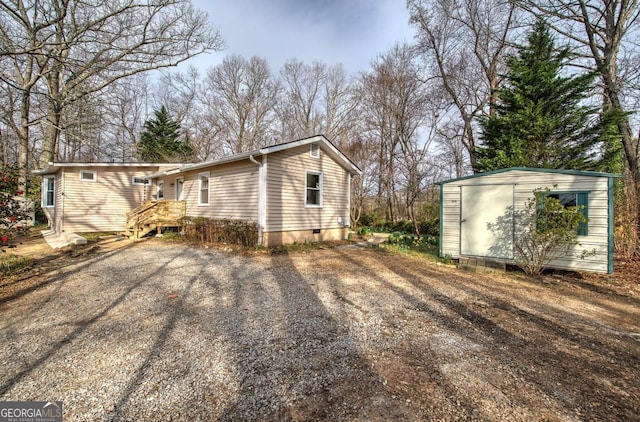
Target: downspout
{"x":262,"y":194}
{"x":62,"y":173}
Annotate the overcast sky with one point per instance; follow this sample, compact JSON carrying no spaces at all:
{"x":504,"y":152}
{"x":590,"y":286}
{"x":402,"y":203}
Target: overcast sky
{"x":351,"y":32}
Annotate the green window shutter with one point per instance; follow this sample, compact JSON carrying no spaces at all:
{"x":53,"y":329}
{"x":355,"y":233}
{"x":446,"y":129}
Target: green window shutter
{"x":583,"y":204}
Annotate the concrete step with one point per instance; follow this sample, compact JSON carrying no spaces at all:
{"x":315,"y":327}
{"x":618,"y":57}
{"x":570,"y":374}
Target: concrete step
{"x":60,"y":240}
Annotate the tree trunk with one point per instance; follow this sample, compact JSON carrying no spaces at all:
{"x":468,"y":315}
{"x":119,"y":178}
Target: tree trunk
{"x":51,"y":135}
{"x":23,"y":139}
{"x":54,"y":112}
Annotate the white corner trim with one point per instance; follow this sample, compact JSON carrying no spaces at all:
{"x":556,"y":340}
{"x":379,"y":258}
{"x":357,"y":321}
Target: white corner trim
{"x":262,"y":198}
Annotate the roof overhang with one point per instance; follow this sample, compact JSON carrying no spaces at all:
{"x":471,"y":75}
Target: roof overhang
{"x":535,"y":170}
{"x":53,"y":167}
{"x":326,"y":146}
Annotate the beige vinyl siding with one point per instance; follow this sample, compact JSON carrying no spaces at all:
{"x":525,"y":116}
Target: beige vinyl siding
{"x":101,"y":205}
{"x":525,"y":182}
{"x":286,"y":191}
{"x":233,"y":191}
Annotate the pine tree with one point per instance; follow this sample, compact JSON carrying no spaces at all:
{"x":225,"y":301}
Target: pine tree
{"x":160,"y":140}
{"x":541,"y":119}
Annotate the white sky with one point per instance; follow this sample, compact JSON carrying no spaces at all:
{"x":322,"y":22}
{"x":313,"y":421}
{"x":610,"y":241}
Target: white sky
{"x":351,"y":32}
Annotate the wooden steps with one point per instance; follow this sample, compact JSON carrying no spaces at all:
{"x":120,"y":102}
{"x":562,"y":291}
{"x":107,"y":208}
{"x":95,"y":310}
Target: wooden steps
{"x":154,"y":215}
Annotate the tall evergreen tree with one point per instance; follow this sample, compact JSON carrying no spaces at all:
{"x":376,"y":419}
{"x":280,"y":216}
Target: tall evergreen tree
{"x":541,"y":119}
{"x":160,"y":140}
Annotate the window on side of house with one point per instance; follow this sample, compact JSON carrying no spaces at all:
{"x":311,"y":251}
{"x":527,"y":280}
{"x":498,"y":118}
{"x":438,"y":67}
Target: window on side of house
{"x":314,"y":151}
{"x":88,"y":176}
{"x":574,"y":199}
{"x":313,"y":189}
{"x":48,"y":192}
{"x":160,"y":192}
{"x":140,"y":181}
{"x":203,"y":188}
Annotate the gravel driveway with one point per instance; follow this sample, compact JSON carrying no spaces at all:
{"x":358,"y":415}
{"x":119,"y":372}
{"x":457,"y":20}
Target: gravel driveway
{"x":159,"y":331}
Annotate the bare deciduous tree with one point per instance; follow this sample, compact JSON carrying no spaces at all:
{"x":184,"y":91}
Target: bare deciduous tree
{"x":463,"y":43}
{"x":316,"y":99}
{"x":394,"y":104}
{"x":338,"y":105}
{"x":78,"y":47}
{"x":125,"y":109}
{"x":185,"y":94}
{"x":298,"y":109}
{"x":240,"y":97}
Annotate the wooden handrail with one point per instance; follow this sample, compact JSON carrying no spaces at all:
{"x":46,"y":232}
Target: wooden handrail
{"x":141,"y":208}
{"x":156,"y":214}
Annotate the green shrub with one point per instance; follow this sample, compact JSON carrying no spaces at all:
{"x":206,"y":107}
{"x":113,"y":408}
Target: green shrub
{"x":369,"y":219}
{"x":14,"y":211}
{"x":403,"y":240}
{"x":543,"y":231}
{"x":429,"y":227}
{"x":364,"y":230}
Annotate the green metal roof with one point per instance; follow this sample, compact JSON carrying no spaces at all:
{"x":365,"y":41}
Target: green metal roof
{"x":536,"y":170}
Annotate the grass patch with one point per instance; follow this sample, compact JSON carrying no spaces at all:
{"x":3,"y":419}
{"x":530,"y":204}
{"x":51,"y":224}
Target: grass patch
{"x":173,"y":236}
{"x":302,"y":247}
{"x":10,"y":264}
{"x":423,"y":246}
{"x":97,"y":236}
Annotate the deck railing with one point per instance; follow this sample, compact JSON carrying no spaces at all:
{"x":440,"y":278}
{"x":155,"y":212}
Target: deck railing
{"x":152,"y":215}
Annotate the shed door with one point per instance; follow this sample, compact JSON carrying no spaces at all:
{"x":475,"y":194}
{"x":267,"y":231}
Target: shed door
{"x":486,"y":224}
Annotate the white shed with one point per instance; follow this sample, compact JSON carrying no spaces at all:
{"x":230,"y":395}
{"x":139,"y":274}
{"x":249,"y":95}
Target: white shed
{"x":470,"y":206}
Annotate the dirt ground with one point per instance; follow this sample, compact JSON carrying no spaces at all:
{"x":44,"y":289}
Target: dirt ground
{"x":390,"y":337}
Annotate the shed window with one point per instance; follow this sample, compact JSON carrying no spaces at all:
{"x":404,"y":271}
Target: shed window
{"x":314,"y":189}
{"x":203,"y":188}
{"x":573,"y":199}
{"x":48,"y":192}
{"x":88,"y":176}
{"x":160,"y":189}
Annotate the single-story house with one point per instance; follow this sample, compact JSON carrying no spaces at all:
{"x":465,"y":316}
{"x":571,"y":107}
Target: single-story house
{"x":472,"y":208}
{"x":93,"y":197}
{"x":295,"y":191}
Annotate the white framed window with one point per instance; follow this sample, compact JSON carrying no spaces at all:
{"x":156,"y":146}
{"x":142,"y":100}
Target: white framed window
{"x":579,"y":200}
{"x":88,"y":176}
{"x":140,"y":181}
{"x":49,"y":191}
{"x":314,"y":150}
{"x":203,"y":188}
{"x":313,"y":191}
{"x":160,"y":192}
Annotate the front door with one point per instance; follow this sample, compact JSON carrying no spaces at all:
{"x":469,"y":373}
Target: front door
{"x":179,"y":188}
{"x":486,"y":223}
